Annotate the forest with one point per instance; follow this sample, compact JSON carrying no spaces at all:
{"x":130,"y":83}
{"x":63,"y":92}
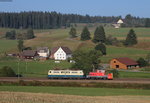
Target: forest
{"x":49,"y":20}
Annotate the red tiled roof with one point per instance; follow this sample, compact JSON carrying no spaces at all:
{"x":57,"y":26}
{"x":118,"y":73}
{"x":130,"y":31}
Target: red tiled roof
{"x":127,"y":61}
{"x":65,"y":49}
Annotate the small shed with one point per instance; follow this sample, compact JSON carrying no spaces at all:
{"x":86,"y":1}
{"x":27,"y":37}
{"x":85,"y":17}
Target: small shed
{"x":123,"y":63}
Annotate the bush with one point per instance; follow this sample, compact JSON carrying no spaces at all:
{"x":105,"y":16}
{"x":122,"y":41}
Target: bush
{"x":7,"y":71}
{"x":142,"y":62}
{"x":115,"y":73}
{"x":110,"y":40}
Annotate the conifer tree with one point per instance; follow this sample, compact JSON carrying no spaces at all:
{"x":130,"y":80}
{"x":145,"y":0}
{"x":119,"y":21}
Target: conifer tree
{"x":101,"y":47}
{"x":99,"y":35}
{"x":131,"y":38}
{"x":85,"y":35}
{"x":147,"y":22}
{"x":72,"y":32}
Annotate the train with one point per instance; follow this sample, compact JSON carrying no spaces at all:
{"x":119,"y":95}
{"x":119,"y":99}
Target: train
{"x":79,"y":74}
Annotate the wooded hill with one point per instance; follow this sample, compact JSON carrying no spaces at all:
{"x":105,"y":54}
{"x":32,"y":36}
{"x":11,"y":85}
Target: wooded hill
{"x":48,"y":20}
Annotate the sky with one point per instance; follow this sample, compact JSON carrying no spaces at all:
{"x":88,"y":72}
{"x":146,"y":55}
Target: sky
{"x":91,"y":7}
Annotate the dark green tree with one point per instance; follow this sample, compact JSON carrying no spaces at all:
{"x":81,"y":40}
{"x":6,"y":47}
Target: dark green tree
{"x":99,"y":35}
{"x":131,"y":38}
{"x":73,"y":32}
{"x":30,"y":34}
{"x":7,"y":71}
{"x":85,"y":35}
{"x":86,"y":60}
{"x":147,"y":22}
{"x":20,"y":45}
{"x":101,"y":47}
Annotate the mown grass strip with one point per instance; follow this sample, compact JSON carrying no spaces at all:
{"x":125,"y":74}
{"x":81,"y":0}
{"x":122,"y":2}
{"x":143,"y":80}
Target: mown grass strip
{"x":76,"y":90}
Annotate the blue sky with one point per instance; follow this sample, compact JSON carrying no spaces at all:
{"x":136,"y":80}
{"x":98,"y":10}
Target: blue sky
{"x":92,"y":7}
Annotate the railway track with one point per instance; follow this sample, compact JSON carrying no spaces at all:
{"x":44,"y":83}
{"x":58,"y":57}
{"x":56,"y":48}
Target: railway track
{"x":119,"y":80}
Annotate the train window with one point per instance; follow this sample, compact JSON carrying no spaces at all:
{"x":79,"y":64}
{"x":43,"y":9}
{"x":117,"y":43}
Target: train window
{"x":55,"y":72}
{"x":74,"y":72}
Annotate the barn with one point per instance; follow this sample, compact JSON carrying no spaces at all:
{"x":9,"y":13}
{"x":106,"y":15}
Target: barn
{"x":28,"y":54}
{"x":123,"y":63}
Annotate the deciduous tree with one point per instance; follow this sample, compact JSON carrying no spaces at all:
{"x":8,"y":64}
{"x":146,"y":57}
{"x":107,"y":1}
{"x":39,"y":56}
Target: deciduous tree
{"x":20,"y":45}
{"x":86,"y":60}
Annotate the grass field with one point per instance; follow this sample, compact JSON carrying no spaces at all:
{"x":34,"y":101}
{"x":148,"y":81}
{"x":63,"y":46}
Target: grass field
{"x":76,"y":90}
{"x":40,"y":68}
{"x":7,"y":45}
{"x":19,"y":97}
{"x":134,"y":74}
{"x":34,"y":68}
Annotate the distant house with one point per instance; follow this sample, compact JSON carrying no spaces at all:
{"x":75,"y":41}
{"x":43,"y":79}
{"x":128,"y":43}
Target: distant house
{"x":60,"y":53}
{"x":123,"y":63}
{"x":28,"y":54}
{"x":43,"y":52}
{"x":118,"y":24}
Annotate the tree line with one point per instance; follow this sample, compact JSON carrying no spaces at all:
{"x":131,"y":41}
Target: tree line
{"x":48,"y":20}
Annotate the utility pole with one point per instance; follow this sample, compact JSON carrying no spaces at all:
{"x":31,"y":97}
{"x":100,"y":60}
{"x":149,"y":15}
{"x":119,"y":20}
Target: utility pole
{"x":26,"y":66}
{"x":18,"y":68}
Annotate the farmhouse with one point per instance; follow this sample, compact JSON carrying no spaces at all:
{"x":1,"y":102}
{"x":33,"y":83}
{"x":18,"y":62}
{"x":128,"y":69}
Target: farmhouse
{"x":118,"y":24}
{"x":60,"y":53}
{"x":28,"y":54}
{"x":43,"y":52}
{"x":123,"y":63}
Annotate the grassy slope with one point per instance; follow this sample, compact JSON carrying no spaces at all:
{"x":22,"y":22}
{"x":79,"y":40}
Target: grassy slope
{"x":76,"y":90}
{"x":58,"y":37}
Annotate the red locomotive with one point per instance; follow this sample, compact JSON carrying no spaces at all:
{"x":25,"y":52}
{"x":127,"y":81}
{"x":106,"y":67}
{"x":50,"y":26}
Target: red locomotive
{"x":100,"y":74}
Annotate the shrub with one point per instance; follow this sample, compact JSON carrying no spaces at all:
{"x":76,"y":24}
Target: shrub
{"x":115,"y":73}
{"x":142,"y":62}
{"x":7,"y":71}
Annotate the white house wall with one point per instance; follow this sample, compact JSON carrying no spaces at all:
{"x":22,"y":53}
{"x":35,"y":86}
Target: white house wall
{"x":60,"y":55}
{"x":45,"y":54}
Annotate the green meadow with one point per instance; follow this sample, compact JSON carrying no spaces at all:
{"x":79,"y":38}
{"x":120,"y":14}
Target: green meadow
{"x":76,"y":90}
